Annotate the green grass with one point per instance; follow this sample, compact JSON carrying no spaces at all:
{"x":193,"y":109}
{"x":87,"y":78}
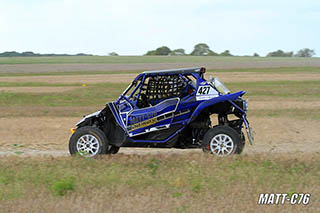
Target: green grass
{"x":278,"y":70}
{"x":299,"y":114}
{"x":8,"y":74}
{"x":97,"y":94}
{"x":137,"y":59}
{"x":184,"y":178}
{"x":62,"y":186}
{"x":139,"y":173}
{"x":283,"y":89}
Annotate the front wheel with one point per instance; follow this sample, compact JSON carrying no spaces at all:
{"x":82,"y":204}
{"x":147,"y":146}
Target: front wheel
{"x":88,"y":142}
{"x":221,"y":141}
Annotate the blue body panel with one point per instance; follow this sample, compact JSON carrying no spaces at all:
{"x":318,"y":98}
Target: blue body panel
{"x":167,"y":113}
{"x":222,"y":98}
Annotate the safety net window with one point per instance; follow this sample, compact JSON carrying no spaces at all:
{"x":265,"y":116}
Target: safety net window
{"x":162,"y":87}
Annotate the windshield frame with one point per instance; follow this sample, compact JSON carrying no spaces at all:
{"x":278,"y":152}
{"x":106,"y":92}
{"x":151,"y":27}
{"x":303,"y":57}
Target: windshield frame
{"x":220,"y":86}
{"x":135,"y":84}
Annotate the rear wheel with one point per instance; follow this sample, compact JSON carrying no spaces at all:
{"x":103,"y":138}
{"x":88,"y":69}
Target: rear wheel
{"x":88,"y":142}
{"x":221,"y":141}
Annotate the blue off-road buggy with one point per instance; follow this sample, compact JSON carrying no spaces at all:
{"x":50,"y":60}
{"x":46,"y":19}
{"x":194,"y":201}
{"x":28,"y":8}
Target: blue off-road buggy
{"x":166,"y":109}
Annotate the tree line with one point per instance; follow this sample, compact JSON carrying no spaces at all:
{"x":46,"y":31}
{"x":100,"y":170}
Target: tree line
{"x":305,"y":52}
{"x":203,"y":49}
{"x":30,"y":54}
{"x":200,"y":49}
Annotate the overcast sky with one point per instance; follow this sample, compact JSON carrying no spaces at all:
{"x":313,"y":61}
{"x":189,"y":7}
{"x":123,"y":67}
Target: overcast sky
{"x":132,"y":27}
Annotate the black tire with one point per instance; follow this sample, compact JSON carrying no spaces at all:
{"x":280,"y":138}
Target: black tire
{"x":231,"y":141}
{"x":87,"y":132}
{"x":112,"y":150}
{"x":241,"y":144}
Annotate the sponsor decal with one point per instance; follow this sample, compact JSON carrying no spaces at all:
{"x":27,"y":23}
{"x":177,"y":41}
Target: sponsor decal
{"x":206,"y":97}
{"x":140,"y":118}
{"x":150,"y":122}
{"x":143,"y":124}
{"x":154,"y":120}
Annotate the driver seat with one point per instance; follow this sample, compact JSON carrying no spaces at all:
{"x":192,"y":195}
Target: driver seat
{"x":142,"y":101}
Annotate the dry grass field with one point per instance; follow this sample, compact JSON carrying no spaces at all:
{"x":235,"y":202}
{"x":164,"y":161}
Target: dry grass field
{"x":191,"y":182}
{"x":40,"y":104}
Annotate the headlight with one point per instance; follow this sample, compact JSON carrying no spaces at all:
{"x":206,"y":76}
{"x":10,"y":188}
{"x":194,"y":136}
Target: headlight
{"x":245,"y":105}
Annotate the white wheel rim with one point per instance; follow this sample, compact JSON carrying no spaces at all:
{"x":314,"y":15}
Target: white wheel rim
{"x":88,"y":145}
{"x":221,"y":145}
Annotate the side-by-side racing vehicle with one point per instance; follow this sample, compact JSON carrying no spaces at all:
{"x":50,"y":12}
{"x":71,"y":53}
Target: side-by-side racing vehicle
{"x":167,"y":109}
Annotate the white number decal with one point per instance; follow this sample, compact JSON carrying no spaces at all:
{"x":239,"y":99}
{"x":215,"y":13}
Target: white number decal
{"x":204,"y":90}
{"x":206,"y":93}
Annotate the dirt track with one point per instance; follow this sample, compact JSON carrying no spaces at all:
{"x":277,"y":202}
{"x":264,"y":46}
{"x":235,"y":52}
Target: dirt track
{"x":49,"y":136}
{"x":230,"y":64}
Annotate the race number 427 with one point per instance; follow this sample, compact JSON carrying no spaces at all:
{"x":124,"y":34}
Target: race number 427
{"x":203,"y":90}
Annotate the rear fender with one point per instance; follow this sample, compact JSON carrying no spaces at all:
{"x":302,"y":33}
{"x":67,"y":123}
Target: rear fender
{"x":210,"y":102}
